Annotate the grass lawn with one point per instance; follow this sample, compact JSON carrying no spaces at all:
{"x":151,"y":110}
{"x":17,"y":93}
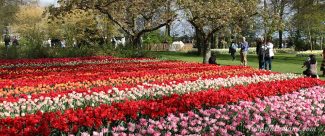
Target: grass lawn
{"x":285,"y":63}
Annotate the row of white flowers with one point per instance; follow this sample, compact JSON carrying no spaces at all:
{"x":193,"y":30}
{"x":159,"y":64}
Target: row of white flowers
{"x":146,"y":91}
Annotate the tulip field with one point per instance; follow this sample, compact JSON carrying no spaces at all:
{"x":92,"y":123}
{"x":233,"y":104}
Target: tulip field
{"x":119,"y":96}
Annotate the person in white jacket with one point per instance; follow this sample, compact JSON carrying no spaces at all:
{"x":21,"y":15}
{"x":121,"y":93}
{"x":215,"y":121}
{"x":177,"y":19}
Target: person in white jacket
{"x":269,"y":54}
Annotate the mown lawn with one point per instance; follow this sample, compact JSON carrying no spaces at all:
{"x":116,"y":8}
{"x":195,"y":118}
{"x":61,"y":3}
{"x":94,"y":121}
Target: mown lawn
{"x":285,"y":63}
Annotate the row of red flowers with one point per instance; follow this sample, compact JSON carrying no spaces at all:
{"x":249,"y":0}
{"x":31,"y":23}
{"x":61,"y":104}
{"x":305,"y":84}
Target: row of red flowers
{"x":125,"y":66}
{"x":71,"y":120}
{"x":133,"y":78}
{"x":123,"y":86}
{"x":92,"y":73}
{"x":10,"y":73}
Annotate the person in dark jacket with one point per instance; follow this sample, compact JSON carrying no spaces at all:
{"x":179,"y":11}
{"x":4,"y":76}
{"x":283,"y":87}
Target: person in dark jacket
{"x":213,"y":59}
{"x":311,"y":67}
{"x":7,"y":40}
{"x":260,"y":52}
{"x":232,"y":50}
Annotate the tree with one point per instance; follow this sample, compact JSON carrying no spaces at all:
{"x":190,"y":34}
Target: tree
{"x":135,"y":17}
{"x":8,"y":9}
{"x":211,"y":16}
{"x":271,"y":14}
{"x":85,"y":27}
{"x":309,"y":20}
{"x":29,"y":24}
{"x":279,"y":8}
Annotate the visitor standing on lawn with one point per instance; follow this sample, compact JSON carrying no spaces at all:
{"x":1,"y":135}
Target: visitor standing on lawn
{"x":244,"y":51}
{"x":7,"y":40}
{"x":260,"y":52}
{"x":269,"y":54}
{"x":232,"y":50}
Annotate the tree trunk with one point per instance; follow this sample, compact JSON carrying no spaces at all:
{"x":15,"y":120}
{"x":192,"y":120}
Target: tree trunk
{"x":282,"y":6}
{"x":321,"y":42}
{"x":280,"y":38}
{"x":136,"y":42}
{"x":198,"y":44}
{"x":206,"y":51}
{"x":168,"y":29}
{"x":213,"y":42}
{"x":265,"y":26}
{"x":315,"y":42}
{"x":168,"y":24}
{"x":310,"y":40}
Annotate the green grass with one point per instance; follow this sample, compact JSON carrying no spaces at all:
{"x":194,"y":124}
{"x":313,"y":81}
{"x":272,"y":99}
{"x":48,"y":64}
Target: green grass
{"x":284,"y":63}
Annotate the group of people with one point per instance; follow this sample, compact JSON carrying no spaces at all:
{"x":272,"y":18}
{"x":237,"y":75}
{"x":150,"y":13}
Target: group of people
{"x":265,"y":53}
{"x":56,"y":43}
{"x":243,"y":45}
{"x":243,"y":50}
{"x":264,"y":50}
{"x":8,"y":39}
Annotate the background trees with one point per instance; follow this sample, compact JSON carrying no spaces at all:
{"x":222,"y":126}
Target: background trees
{"x":30,"y":24}
{"x":90,"y":22}
{"x":309,"y":22}
{"x":81,"y":27}
{"x":135,"y":17}
{"x":211,"y":16}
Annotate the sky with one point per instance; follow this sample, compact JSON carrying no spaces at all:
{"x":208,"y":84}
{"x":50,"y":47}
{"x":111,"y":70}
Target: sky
{"x":47,"y":2}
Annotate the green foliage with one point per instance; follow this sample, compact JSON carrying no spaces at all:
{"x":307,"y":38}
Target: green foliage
{"x":156,"y":37}
{"x":308,"y":23}
{"x":152,"y":38}
{"x":126,"y":52}
{"x":26,"y":50}
{"x":45,"y":52}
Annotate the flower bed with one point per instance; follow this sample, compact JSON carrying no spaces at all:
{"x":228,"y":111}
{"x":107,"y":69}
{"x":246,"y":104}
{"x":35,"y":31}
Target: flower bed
{"x":112,"y":96}
{"x":309,"y":52}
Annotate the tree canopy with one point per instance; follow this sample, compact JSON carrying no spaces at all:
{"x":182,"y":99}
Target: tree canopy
{"x":135,"y":17}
